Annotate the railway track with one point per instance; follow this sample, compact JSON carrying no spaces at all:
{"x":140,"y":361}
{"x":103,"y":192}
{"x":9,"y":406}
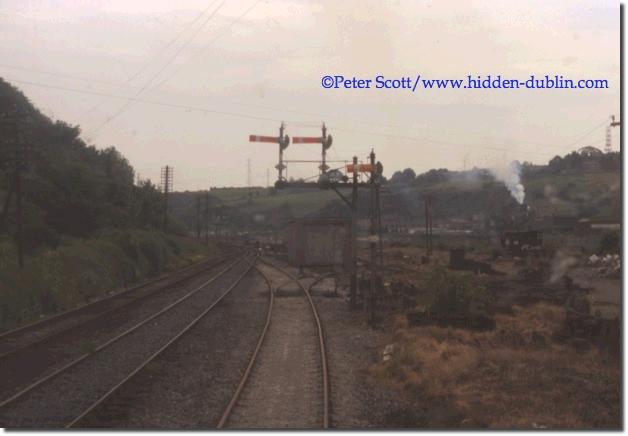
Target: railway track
{"x":45,"y":351}
{"x":273,"y":381}
{"x":69,"y":394}
{"x":15,"y":339}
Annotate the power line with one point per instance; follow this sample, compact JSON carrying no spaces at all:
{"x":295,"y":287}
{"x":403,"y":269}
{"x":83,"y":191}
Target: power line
{"x":208,"y":45}
{"x":65,"y":76}
{"x":589,"y":132}
{"x":261,"y":118}
{"x":166,"y":65}
{"x":160,"y":52}
{"x":172,"y":41}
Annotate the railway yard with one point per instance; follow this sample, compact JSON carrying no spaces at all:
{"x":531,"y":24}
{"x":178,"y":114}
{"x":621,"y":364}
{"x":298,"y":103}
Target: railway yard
{"x":207,"y":224}
{"x":232,"y":342}
{"x":369,"y":316}
{"x":246,"y":340}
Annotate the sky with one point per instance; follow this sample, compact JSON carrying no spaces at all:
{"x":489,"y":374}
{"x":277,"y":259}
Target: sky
{"x":184,"y":83}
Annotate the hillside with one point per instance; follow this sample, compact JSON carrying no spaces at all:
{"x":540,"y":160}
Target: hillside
{"x":568,"y":186}
{"x":87,"y":229}
{"x":69,"y":188}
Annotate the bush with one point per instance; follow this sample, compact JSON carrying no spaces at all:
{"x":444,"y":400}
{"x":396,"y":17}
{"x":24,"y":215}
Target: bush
{"x":454,"y":294}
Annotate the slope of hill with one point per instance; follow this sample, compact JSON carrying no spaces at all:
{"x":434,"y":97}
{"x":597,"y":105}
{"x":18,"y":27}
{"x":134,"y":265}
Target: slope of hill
{"x":87,"y":229}
{"x":568,"y":186}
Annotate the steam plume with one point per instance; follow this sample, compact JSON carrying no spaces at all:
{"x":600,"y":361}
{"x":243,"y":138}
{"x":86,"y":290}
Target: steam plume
{"x":510,"y":175}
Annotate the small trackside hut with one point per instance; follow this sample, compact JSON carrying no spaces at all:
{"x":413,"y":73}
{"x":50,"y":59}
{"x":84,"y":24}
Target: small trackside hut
{"x":319,"y":242}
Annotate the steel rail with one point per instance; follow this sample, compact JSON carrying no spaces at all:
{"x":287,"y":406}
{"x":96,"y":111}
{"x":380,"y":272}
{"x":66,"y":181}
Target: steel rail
{"x":109,"y":297}
{"x":122,"y":305}
{"x":103,"y":398}
{"x":227,"y":413}
{"x":321,"y":341}
{"x":111,"y":341}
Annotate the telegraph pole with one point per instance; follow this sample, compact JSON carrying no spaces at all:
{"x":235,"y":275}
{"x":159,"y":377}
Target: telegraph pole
{"x":207,"y":217}
{"x":354,"y":240}
{"x":613,"y":123}
{"x":166,"y":184}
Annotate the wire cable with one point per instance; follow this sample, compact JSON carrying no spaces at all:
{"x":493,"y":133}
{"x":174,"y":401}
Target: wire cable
{"x":129,"y":103}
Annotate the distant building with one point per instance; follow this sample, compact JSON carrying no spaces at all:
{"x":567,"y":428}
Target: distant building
{"x":586,"y":224}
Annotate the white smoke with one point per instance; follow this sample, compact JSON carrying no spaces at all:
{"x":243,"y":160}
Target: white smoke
{"x":561,"y":264}
{"x":510,"y":175}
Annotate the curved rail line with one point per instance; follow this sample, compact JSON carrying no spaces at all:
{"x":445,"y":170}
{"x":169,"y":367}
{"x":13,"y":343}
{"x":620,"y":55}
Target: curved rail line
{"x":249,"y":368}
{"x":14,"y":334}
{"x":105,"y":345}
{"x":321,"y":339}
{"x":152,"y":357}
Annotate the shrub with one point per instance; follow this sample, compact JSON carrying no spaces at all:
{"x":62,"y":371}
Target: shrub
{"x":455,"y":294}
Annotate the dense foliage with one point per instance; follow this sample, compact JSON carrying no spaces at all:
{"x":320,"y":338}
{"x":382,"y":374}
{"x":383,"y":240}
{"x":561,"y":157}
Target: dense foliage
{"x":69,"y":188}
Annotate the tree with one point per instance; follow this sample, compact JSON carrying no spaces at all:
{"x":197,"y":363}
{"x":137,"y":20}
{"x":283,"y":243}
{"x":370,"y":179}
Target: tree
{"x":406,"y":176}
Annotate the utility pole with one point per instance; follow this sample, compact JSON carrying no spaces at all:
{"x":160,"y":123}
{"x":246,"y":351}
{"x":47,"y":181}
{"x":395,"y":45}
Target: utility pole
{"x":608,"y":146}
{"x":354,"y":240}
{"x":166,"y":184}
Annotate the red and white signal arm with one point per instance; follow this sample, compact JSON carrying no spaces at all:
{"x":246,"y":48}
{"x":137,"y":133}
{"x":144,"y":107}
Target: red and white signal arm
{"x":261,"y":138}
{"x":307,"y":139}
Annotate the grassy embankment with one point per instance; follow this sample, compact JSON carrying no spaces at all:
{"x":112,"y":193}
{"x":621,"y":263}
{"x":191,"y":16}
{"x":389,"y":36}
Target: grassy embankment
{"x":81,"y":270}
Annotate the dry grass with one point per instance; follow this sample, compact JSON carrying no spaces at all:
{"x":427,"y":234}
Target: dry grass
{"x":512,"y":377}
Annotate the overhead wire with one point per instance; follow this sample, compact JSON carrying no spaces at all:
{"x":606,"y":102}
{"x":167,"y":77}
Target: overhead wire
{"x":172,"y":58}
{"x":128,"y":105}
{"x":208,"y":45}
{"x":65,"y":76}
{"x":265,"y":118}
{"x":159,"y":53}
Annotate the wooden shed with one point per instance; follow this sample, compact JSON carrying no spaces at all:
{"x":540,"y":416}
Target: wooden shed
{"x":319,"y":242}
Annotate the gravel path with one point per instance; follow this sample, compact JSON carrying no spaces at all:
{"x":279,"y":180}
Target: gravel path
{"x":36,"y":361}
{"x":190,"y":384}
{"x":285,"y":387}
{"x":60,"y":400}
